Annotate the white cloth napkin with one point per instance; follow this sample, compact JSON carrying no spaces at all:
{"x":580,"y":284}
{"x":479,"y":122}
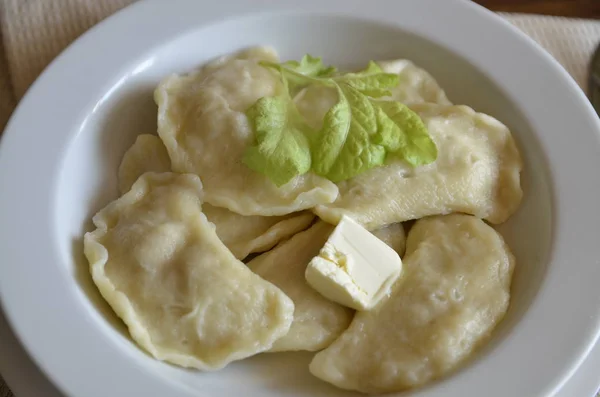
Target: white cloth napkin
{"x":35,"y":31}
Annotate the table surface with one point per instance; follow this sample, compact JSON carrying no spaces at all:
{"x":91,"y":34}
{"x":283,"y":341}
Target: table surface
{"x":568,"y":8}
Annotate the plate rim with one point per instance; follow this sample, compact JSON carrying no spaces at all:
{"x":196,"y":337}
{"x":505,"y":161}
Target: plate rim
{"x":16,"y":286}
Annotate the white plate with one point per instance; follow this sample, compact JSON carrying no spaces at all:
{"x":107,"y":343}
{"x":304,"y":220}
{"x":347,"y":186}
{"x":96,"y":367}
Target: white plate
{"x":26,"y":380}
{"x":61,"y":149}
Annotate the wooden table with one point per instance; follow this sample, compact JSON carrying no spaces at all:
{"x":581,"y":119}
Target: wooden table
{"x":568,"y":8}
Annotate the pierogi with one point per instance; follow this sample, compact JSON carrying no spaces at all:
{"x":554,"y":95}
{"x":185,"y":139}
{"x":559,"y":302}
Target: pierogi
{"x":256,"y":53}
{"x":243,"y":235}
{"x":185,"y":298}
{"x":202,"y":122}
{"x":454,"y":289}
{"x":317,"y":320}
{"x":477,"y":172}
{"x":394,"y":236}
{"x":167,"y":254}
{"x":416,"y":86}
{"x":147,"y":154}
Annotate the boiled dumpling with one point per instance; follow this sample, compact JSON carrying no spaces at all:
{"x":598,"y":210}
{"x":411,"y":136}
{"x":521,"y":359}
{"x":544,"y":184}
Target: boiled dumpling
{"x":243,"y":235}
{"x":477,"y":171}
{"x":453,"y":291}
{"x":184,"y":297}
{"x":147,"y":154}
{"x":416,"y":84}
{"x":313,"y":102}
{"x":256,"y":53}
{"x":202,"y":122}
{"x":394,"y":236}
{"x":317,"y":320}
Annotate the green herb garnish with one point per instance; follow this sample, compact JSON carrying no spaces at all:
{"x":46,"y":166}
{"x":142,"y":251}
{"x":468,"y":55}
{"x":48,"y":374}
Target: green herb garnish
{"x":358,"y":132}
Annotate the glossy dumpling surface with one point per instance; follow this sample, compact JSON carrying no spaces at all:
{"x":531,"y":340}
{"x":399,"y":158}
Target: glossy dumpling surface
{"x":477,"y":172}
{"x":317,"y":320}
{"x":185,"y":298}
{"x":243,"y":235}
{"x":147,"y":154}
{"x":453,"y":290}
{"x":202,"y":122}
{"x":416,"y":84}
{"x":394,"y":236}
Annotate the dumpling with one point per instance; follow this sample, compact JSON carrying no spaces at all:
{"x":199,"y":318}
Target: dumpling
{"x":185,"y":298}
{"x":147,"y":154}
{"x":202,"y":122}
{"x":317,"y":320}
{"x":256,"y":53}
{"x":313,"y":102}
{"x":416,"y":84}
{"x":243,"y":235}
{"x":394,"y":236}
{"x":453,"y":291}
{"x":477,"y":172}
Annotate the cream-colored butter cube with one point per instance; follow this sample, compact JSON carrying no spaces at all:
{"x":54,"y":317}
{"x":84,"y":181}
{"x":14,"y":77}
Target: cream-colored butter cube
{"x":354,"y":268}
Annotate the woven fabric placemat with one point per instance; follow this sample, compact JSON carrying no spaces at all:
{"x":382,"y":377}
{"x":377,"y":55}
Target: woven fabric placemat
{"x":35,"y":31}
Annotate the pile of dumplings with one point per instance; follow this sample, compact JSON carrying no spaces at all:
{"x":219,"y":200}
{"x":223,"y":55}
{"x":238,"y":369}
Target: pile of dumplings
{"x":204,"y":259}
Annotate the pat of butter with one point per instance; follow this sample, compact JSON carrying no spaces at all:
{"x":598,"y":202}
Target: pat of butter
{"x":354,"y":268}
